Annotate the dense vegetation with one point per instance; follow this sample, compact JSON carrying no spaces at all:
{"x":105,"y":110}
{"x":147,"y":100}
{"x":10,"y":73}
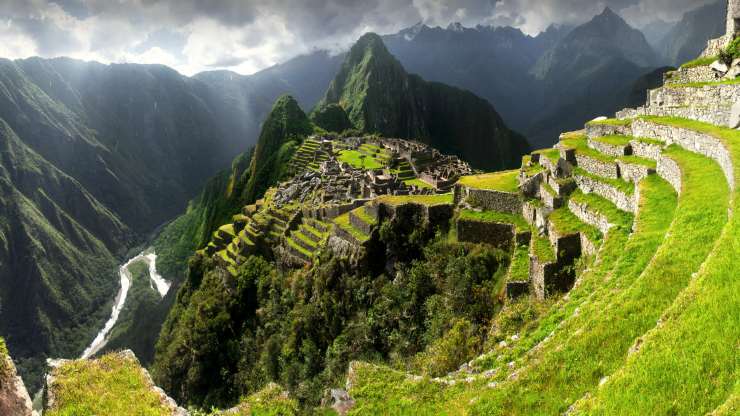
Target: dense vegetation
{"x":228,"y":336}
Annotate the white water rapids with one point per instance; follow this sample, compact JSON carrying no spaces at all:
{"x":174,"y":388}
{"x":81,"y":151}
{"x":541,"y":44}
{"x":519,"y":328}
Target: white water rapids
{"x":156,"y":282}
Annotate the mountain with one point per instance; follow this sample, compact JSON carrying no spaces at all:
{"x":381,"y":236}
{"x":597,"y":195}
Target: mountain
{"x":94,"y":158}
{"x":586,"y":74}
{"x":689,"y":36}
{"x":378,"y":95}
{"x":491,"y":62}
{"x":656,"y":31}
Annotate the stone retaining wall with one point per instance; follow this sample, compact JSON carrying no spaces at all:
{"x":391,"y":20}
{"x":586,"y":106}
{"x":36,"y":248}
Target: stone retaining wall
{"x":601,"y":130}
{"x":562,"y":187}
{"x":496,"y":234}
{"x":547,"y":277}
{"x":597,"y":167}
{"x":669,"y":170}
{"x":588,"y":247}
{"x":715,"y":46}
{"x":550,"y":200}
{"x":718,"y":95}
{"x":530,"y":186}
{"x":692,"y":141}
{"x":567,"y":246}
{"x":620,"y":199}
{"x":633,"y":172}
{"x":608,"y":149}
{"x":689,"y":75}
{"x":589,"y":216}
{"x":648,"y":151}
{"x":361,"y":225}
{"x":494,"y":200}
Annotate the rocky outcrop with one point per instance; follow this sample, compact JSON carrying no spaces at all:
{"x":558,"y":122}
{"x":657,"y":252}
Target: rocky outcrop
{"x":14,"y":399}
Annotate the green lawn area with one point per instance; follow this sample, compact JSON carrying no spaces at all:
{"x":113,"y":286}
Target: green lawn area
{"x":359,"y":160}
{"x":506,"y":181}
{"x":604,"y":207}
{"x":565,"y":222}
{"x":493,"y":216}
{"x":702,"y":61}
{"x":343,"y":222}
{"x":109,"y":385}
{"x":552,"y":154}
{"x":519,"y":269}
{"x":615,"y":140}
{"x":418,"y":182}
{"x":636,"y":160}
{"x":542,"y":248}
{"x":431,"y":200}
{"x":611,"y":122}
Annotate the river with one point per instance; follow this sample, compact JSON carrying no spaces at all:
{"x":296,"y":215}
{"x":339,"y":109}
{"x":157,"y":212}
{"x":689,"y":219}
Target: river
{"x":156,"y":282}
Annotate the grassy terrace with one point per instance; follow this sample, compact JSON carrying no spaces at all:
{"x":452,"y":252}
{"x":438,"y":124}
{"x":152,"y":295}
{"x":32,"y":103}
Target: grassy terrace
{"x":646,"y":140}
{"x":692,"y":344}
{"x":493,"y":216}
{"x":298,"y":247}
{"x":552,"y":154}
{"x":109,"y":385}
{"x":623,"y":186}
{"x":429,"y":200}
{"x":703,"y":61}
{"x":610,"y":122}
{"x":375,"y":386}
{"x":363,"y":216}
{"x":604,"y":207}
{"x":342,"y":221}
{"x":519,"y":269}
{"x":499,"y":181}
{"x":566,"y":223}
{"x":704,"y":84}
{"x":579,"y":143}
{"x":417,"y":182}
{"x":613,"y":319}
{"x":359,"y":160}
{"x":615,"y":140}
{"x":636,"y":160}
{"x":542,"y":249}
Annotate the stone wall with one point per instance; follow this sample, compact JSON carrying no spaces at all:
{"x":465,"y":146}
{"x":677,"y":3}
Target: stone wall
{"x":646,"y":150}
{"x":589,"y":216}
{"x":598,"y":167}
{"x":608,"y":149}
{"x":690,"y":75}
{"x":549,"y":199}
{"x":546,"y":277}
{"x":496,"y":234}
{"x":567,"y":246}
{"x":588,"y":247}
{"x":601,"y":130}
{"x":620,"y":199}
{"x":361,"y":225}
{"x":633,"y":172}
{"x":669,"y":170}
{"x":693,"y":141}
{"x":494,"y":200}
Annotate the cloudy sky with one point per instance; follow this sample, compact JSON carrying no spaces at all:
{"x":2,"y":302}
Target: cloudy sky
{"x":248,"y":35}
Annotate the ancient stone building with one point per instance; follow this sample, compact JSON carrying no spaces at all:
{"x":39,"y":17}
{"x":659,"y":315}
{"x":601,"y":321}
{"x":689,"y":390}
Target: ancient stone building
{"x":733,"y":18}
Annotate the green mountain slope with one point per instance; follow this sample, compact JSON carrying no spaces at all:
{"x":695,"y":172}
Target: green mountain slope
{"x":379,"y":96}
{"x":58,"y":258}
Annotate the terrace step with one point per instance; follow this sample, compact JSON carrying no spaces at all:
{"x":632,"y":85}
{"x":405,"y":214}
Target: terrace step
{"x":615,"y":146}
{"x":619,"y":192}
{"x":598,"y":212}
{"x":608,"y":127}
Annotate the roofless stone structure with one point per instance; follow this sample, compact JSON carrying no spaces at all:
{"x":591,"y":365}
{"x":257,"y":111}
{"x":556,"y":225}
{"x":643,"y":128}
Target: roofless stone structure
{"x":714,"y":46}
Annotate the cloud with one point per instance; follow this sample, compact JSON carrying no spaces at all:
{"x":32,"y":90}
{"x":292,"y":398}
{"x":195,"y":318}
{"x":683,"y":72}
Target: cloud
{"x":249,"y":35}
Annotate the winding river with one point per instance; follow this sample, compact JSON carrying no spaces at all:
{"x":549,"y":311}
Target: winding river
{"x":156,"y":282}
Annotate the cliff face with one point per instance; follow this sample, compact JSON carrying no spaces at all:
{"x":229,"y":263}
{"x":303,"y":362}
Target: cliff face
{"x":379,"y":96}
{"x":14,"y":399}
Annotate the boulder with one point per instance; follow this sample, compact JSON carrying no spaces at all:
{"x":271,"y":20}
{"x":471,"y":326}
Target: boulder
{"x":14,"y":398}
{"x":720,"y":67}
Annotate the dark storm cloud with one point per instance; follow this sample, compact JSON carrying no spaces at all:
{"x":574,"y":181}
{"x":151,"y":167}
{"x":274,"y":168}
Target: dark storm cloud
{"x":247,"y":35}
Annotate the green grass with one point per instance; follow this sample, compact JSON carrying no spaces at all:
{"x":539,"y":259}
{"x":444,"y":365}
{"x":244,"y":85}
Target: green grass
{"x":342,"y":221}
{"x":499,"y":181}
{"x":109,"y":385}
{"x":298,"y":247}
{"x":611,"y":122}
{"x":228,"y":229}
{"x":636,"y":160}
{"x":704,"y":83}
{"x":363,"y":216}
{"x":615,"y":140}
{"x":429,"y":200}
{"x":299,"y":235}
{"x":493,"y":216}
{"x":419,"y":183}
{"x":604,"y":207}
{"x":566,"y":224}
{"x":614,"y":318}
{"x":533,"y":169}
{"x":579,"y":143}
{"x":378,"y":389}
{"x":542,"y":249}
{"x":519,"y":269}
{"x":359,"y":160}
{"x":695,"y":343}
{"x":702,"y":61}
{"x":552,"y":154}
{"x":623,"y":186}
